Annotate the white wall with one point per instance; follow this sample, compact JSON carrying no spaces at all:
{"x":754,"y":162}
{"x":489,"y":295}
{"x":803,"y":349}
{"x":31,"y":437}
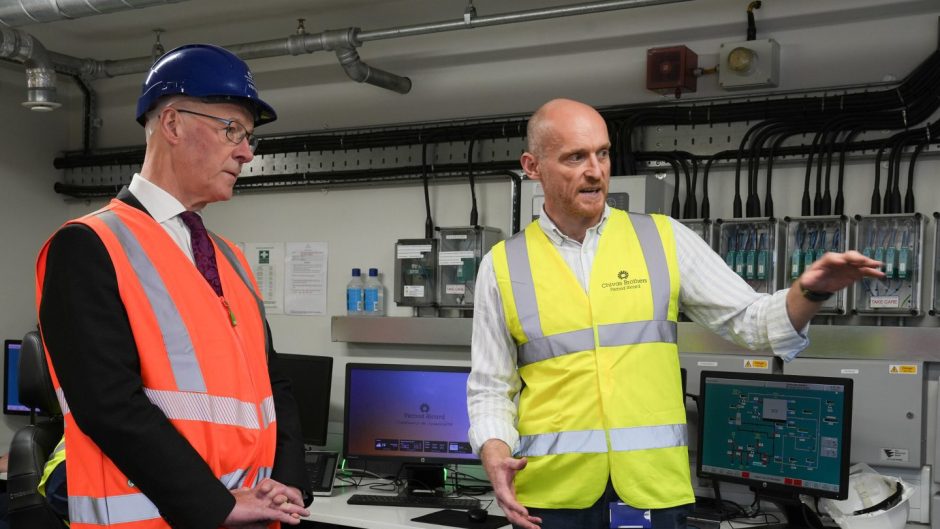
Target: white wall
{"x":30,"y":211}
{"x":489,"y":71}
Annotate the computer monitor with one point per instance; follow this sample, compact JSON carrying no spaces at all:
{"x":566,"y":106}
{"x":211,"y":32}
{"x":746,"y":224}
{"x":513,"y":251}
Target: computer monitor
{"x":311,"y":378}
{"x":781,"y":435}
{"x":410,"y":414}
{"x":11,"y":384}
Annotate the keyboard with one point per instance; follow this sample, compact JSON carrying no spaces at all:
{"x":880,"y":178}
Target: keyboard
{"x":434,"y":502}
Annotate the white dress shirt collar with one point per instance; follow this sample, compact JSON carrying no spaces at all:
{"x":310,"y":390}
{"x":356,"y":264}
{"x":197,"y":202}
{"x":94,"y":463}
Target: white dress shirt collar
{"x":161,"y":205}
{"x":558,"y":238}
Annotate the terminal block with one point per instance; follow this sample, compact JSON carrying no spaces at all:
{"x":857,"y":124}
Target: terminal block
{"x":897,"y":241}
{"x":808,"y":239}
{"x":751,"y":247}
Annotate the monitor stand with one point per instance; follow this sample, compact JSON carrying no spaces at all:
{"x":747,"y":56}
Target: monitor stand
{"x":797,"y":514}
{"x":422,"y":479}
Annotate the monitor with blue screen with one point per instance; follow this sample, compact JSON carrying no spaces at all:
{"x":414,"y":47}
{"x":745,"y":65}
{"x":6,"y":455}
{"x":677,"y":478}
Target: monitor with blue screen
{"x":11,"y":386}
{"x":407,"y":413}
{"x":782,"y":435}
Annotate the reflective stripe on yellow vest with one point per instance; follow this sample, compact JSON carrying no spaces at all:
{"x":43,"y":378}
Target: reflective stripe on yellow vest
{"x":602,"y":391}
{"x":221,"y":403}
{"x":58,"y":457}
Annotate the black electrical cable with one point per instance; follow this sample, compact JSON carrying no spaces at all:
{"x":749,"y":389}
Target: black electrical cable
{"x":839,"y":208}
{"x":473,"y":193}
{"x":751,"y":26}
{"x":909,"y":197}
{"x":690,"y":210}
{"x":876,"y":192}
{"x":428,"y":223}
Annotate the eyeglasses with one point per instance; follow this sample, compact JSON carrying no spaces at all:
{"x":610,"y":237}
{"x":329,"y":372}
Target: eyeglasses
{"x":234,"y":131}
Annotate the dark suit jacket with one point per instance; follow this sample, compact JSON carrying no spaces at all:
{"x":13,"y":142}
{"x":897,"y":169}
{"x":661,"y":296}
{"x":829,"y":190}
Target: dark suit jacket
{"x":87,"y":332}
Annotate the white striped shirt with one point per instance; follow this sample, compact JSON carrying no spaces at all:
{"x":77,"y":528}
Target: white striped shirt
{"x":710,"y":293}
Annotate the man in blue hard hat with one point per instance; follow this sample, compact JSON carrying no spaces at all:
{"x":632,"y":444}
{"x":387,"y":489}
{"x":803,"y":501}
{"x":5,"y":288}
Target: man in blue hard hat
{"x":175,"y":414}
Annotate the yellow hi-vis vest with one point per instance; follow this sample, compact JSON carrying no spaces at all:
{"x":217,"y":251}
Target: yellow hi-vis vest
{"x":602,"y":393}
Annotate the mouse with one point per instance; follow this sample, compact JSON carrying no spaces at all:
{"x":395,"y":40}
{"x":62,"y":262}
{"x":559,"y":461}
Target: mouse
{"x":477,"y":515}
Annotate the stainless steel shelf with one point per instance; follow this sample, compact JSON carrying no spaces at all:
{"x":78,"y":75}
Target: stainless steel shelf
{"x":826,"y":341}
{"x":417,"y":331}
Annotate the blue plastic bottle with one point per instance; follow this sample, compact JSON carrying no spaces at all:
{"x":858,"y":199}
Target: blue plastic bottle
{"x":354,"y":294}
{"x":374,"y":294}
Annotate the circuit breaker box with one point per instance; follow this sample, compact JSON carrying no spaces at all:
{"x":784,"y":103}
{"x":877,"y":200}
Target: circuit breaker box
{"x":897,"y":240}
{"x":752,"y":247}
{"x":808,"y":239}
{"x":460,"y":251}
{"x":416,"y":272}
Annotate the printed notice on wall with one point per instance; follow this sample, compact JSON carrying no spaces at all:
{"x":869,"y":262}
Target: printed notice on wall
{"x":266,"y":260}
{"x":305,"y":278}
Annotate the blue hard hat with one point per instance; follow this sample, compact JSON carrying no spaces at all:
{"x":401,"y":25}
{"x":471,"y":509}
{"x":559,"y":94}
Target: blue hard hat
{"x":206,"y":72}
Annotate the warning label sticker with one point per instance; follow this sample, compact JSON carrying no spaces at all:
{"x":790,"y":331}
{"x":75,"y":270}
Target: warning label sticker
{"x":902,"y":369}
{"x":750,"y":363}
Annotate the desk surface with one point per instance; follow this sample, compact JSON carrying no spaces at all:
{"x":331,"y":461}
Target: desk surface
{"x":334,"y":510}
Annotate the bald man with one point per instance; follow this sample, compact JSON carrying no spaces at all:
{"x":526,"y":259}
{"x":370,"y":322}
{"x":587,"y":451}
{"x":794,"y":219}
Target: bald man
{"x":575,"y":395}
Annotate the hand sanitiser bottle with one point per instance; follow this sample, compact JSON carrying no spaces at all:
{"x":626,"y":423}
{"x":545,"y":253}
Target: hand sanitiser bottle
{"x":374,"y":295}
{"x":354,"y":294}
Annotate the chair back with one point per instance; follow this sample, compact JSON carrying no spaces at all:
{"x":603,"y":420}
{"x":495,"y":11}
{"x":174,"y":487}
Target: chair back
{"x":32,"y":445}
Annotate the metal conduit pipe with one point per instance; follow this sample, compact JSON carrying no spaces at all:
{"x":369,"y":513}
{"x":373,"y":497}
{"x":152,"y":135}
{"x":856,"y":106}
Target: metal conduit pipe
{"x":353,"y":38}
{"x":40,"y":74}
{"x":472,"y":21}
{"x":21,"y":12}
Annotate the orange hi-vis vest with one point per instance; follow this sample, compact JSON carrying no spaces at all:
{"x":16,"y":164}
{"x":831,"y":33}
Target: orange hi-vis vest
{"x":203,"y":362}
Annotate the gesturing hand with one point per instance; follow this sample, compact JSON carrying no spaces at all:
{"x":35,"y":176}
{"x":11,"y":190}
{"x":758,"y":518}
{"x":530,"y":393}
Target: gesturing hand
{"x":501,"y":468}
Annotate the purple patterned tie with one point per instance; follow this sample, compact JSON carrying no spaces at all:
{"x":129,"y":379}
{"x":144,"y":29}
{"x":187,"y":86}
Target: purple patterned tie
{"x":203,"y":252}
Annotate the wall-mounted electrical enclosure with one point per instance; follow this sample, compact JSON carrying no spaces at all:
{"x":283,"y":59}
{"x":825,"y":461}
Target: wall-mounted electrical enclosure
{"x":749,"y":64}
{"x":704,"y":228}
{"x":461,"y":249}
{"x":808,"y":238}
{"x":898,"y":242}
{"x":416,"y":272}
{"x":670,"y":70}
{"x":636,"y":193}
{"x":752,"y":247}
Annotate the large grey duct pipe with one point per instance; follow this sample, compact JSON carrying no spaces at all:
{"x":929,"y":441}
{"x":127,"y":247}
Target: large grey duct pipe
{"x":15,"y":13}
{"x":345,"y":41}
{"x":40,"y":75}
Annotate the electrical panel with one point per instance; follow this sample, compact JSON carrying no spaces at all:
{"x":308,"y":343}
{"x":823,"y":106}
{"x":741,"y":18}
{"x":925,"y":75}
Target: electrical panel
{"x":704,"y":228}
{"x":640,"y":194}
{"x":749,"y":64}
{"x":460,"y":252}
{"x":808,"y":238}
{"x":888,"y":408}
{"x":416,"y":272}
{"x":752,"y":247}
{"x":897,"y":241}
